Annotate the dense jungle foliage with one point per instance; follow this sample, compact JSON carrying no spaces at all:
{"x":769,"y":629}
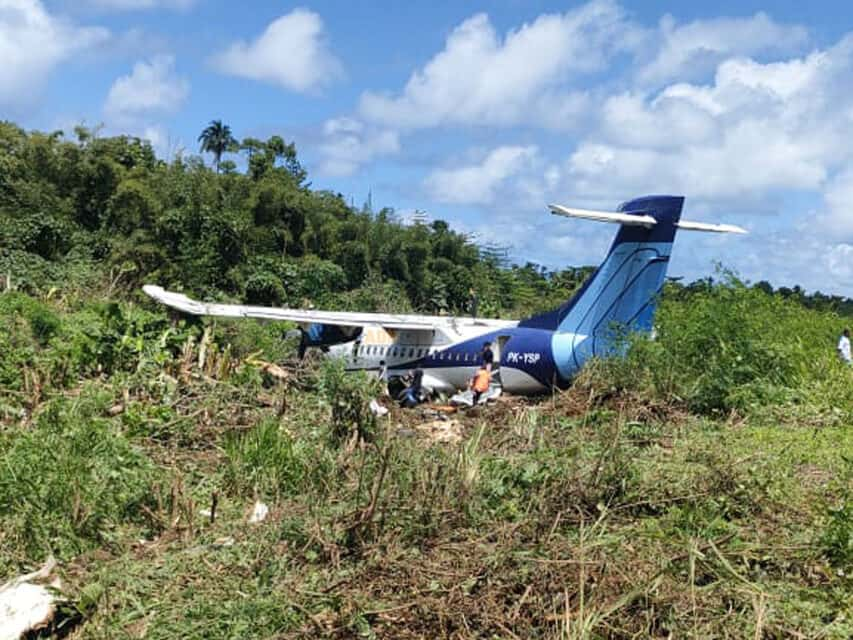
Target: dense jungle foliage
{"x":106,"y":212}
{"x":699,"y":487}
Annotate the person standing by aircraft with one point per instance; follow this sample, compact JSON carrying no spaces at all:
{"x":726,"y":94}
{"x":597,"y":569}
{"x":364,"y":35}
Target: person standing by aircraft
{"x":844,"y":347}
{"x":382,"y":375}
{"x":480,"y":382}
{"x":488,"y":356}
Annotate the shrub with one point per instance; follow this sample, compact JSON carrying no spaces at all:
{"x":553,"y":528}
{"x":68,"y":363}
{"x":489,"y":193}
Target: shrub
{"x":731,"y":347}
{"x":68,"y":481}
{"x":266,"y":459}
{"x":349,"y":396}
{"x":43,"y":323}
{"x":836,"y":540}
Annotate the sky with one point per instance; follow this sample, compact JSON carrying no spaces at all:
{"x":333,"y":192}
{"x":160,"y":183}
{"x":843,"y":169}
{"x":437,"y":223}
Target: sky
{"x":483,"y":113}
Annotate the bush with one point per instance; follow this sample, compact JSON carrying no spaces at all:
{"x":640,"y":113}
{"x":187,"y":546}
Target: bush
{"x":113,"y":337}
{"x":836,"y":540}
{"x":349,"y":396}
{"x":731,"y":347}
{"x":267,"y":460}
{"x":43,"y":323}
{"x":68,"y":481}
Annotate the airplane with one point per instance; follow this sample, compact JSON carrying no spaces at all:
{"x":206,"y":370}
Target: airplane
{"x":533,"y":355}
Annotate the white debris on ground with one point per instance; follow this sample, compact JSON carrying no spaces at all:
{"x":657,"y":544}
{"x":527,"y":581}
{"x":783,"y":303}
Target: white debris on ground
{"x":466,"y":398}
{"x":377,"y":409}
{"x":259,"y":513}
{"x":25,"y":606}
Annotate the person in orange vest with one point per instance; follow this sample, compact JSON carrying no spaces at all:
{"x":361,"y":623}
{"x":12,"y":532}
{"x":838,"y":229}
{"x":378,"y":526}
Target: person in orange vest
{"x":480,"y":382}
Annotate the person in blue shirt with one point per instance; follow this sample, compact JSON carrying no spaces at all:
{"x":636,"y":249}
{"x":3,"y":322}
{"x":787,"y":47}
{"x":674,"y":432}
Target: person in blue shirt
{"x":414,"y":394}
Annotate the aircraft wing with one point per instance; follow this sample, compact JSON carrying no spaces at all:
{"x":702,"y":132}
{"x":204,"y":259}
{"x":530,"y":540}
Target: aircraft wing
{"x":302,"y":316}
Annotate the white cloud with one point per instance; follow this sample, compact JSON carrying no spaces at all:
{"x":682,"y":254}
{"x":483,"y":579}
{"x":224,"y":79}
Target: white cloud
{"x":348,"y":144}
{"x":838,"y":263}
{"x":479,"y":183}
{"x":480,"y":78}
{"x":756,"y":128}
{"x":136,"y":102}
{"x":291,"y":52}
{"x":687,"y":51}
{"x":837,"y":221}
{"x":32,"y":44}
{"x":746,"y":143}
{"x":152,"y":88}
{"x":131,"y":5}
{"x":529,"y":76}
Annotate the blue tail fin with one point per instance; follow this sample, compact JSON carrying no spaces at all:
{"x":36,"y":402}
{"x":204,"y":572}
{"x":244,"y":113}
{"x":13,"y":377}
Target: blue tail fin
{"x":622,"y":293}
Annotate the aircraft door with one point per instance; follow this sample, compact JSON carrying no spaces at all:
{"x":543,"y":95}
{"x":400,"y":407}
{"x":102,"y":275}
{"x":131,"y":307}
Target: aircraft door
{"x":498,"y":349}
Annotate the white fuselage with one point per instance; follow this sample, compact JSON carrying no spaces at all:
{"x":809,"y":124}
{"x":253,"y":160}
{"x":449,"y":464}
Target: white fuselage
{"x":448,"y":355}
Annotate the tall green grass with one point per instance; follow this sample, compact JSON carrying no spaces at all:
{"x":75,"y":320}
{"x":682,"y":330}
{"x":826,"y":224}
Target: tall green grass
{"x":267,"y":461}
{"x":69,"y":481}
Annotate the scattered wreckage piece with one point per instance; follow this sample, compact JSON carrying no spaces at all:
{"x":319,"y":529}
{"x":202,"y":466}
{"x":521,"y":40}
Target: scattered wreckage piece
{"x":259,"y":513}
{"x":26,"y":605}
{"x":466,"y":398}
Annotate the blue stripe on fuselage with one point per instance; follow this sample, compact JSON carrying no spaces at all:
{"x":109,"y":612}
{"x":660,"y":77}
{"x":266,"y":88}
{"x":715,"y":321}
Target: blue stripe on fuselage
{"x":528,"y":350}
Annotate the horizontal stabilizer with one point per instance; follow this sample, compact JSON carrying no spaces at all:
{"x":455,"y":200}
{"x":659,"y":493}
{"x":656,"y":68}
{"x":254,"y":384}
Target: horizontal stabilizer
{"x":627,"y":219}
{"x":704,"y":226}
{"x":640,"y":219}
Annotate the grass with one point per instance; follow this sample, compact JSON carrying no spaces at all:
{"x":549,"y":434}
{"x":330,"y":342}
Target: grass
{"x":609,"y":511}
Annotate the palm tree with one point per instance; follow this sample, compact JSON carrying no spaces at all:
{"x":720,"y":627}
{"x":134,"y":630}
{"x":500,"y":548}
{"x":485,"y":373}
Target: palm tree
{"x":217,"y":139}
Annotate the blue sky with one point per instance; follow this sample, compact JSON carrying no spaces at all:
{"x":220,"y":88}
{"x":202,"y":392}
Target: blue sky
{"x":481,"y":114}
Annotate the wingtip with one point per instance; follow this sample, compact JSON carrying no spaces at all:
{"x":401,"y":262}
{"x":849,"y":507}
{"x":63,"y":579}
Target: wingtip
{"x":152,"y":290}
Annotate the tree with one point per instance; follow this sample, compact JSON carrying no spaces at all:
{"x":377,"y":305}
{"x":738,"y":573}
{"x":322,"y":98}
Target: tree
{"x":217,"y":139}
